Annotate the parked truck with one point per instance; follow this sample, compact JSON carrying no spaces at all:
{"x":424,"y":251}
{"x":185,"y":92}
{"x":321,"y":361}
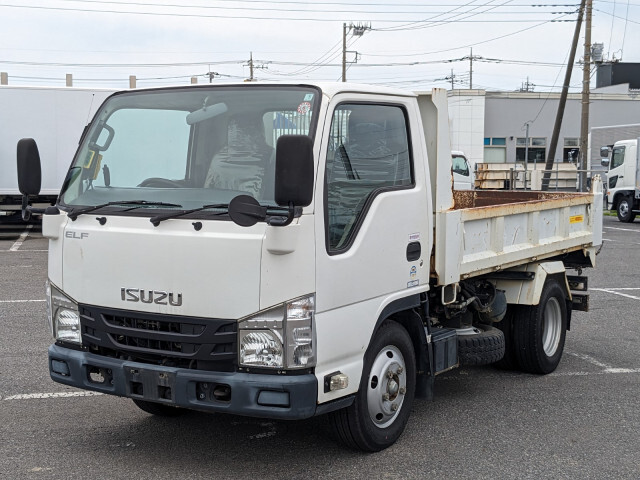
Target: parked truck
{"x":54,"y":117}
{"x":623,"y":178}
{"x":290,"y":250}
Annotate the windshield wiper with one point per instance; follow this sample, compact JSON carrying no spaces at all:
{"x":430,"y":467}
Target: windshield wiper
{"x":160,"y":218}
{"x":138,"y":203}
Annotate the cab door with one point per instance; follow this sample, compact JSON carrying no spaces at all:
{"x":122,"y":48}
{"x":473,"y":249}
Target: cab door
{"x":373,"y":235}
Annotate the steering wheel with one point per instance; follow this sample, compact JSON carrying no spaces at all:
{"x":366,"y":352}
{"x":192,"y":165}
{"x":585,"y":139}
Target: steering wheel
{"x":160,"y":183}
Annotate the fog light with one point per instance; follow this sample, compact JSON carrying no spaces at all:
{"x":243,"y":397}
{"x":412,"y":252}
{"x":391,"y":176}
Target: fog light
{"x":60,"y":367}
{"x":338,"y":382}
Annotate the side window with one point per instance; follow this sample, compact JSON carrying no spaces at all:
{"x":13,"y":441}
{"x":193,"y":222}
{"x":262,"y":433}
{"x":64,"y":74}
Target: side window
{"x":368,"y":154}
{"x":617,"y":158}
{"x":459,"y":166}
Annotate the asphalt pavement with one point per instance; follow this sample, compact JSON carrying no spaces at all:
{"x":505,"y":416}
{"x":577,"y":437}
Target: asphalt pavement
{"x":580,"y":422}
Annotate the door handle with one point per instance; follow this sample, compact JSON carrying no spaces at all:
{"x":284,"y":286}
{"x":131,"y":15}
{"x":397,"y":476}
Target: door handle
{"x":414,"y":251}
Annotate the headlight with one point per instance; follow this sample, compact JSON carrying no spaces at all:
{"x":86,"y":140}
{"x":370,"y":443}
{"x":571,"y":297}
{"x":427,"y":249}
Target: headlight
{"x":281,"y":337}
{"x":63,"y":315}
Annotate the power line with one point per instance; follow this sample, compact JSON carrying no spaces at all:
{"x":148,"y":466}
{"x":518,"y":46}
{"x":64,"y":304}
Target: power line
{"x":241,"y":17}
{"x":285,"y":9}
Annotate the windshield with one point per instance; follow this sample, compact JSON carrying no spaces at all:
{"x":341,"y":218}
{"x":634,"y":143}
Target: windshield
{"x":186,"y":146}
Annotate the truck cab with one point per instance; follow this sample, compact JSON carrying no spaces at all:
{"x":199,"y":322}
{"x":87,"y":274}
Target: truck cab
{"x":623,"y":193}
{"x":463,"y":177}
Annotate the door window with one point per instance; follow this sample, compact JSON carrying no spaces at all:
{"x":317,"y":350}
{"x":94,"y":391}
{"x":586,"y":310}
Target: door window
{"x":617,"y":158}
{"x":368,"y":154}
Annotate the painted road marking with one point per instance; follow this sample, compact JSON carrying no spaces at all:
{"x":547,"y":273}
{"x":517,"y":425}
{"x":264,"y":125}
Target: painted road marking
{"x":21,"y":301}
{"x":623,"y":229}
{"x":616,"y":291}
{"x":620,"y":241}
{"x":31,"y":396}
{"x":21,"y":239}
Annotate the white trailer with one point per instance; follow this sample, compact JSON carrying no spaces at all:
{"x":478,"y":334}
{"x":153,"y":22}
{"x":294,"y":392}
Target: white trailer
{"x":55,"y":119}
{"x":196,"y":261}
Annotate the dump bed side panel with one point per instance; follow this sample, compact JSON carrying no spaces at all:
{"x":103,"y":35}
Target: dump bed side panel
{"x":480,"y":239}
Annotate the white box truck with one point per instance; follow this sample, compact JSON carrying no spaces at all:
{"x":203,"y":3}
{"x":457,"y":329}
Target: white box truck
{"x":54,"y":117}
{"x":623,"y":178}
{"x":291,"y":250}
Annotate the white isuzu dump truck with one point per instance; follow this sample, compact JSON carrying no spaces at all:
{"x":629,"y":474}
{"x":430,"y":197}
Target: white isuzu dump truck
{"x":291,"y":250}
{"x":54,"y":118}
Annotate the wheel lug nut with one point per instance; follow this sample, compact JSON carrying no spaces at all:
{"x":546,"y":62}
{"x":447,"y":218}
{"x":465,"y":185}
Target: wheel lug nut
{"x":400,"y":370}
{"x":402,"y":390}
{"x":394,"y":407}
{"x":389,"y":374}
{"x":385,"y":397}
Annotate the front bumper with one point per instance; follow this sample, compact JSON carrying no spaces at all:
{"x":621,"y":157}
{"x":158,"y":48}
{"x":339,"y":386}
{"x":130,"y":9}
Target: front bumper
{"x":255,"y":395}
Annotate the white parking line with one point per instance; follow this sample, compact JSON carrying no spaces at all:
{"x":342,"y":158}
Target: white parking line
{"x":620,"y":241}
{"x":21,"y":239}
{"x":623,"y":229}
{"x":31,"y":396}
{"x":616,"y":291}
{"x":21,"y":301}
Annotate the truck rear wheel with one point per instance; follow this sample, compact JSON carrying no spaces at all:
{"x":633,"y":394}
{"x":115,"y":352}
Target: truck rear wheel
{"x":625,"y":209}
{"x":539,"y":331}
{"x":159,"y":409}
{"x":378,"y":415}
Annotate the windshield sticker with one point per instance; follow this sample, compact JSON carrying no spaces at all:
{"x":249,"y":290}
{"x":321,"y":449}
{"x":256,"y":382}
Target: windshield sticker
{"x":304,"y":108}
{"x":308,"y":97}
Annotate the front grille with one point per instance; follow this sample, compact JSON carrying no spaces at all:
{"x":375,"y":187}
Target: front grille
{"x":186,"y":342}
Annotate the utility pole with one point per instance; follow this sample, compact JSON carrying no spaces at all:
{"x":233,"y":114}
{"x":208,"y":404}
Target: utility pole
{"x":586,"y":81}
{"x":252,"y":66}
{"x":357,"y":30}
{"x":471,"y":70}
{"x":452,"y":78}
{"x":344,"y":52}
{"x":563,"y":100}
{"x":526,"y":154}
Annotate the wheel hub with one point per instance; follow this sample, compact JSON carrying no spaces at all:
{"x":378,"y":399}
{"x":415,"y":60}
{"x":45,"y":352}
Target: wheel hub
{"x":624,"y":208}
{"x":387,"y":386}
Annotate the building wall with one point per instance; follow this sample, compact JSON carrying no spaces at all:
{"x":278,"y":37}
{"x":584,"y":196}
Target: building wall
{"x":506,"y":113}
{"x":466,"y":119}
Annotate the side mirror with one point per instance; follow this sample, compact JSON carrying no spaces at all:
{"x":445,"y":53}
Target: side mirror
{"x":604,"y":152}
{"x":294,"y":170}
{"x":29,"y":172}
{"x":604,"y":162}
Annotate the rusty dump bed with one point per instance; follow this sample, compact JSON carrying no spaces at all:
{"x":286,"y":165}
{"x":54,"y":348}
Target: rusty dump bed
{"x":486,"y":198}
{"x":488,"y":231}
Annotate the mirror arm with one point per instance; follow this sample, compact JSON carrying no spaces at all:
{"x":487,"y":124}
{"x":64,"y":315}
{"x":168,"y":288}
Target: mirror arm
{"x":28,"y":210}
{"x":283,"y":221}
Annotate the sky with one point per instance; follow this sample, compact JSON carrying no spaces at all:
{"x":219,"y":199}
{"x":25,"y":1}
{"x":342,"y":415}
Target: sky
{"x":415,"y":45}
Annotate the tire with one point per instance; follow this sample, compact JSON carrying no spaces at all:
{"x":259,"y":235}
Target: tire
{"x":483,"y":348}
{"x":509,"y":360}
{"x":372,"y":423}
{"x":159,"y":409}
{"x":539,"y":331}
{"x":625,"y":209}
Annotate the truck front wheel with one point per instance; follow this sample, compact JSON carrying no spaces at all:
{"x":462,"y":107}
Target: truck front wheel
{"x":625,"y":209}
{"x":539,"y":331}
{"x":378,"y":415}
